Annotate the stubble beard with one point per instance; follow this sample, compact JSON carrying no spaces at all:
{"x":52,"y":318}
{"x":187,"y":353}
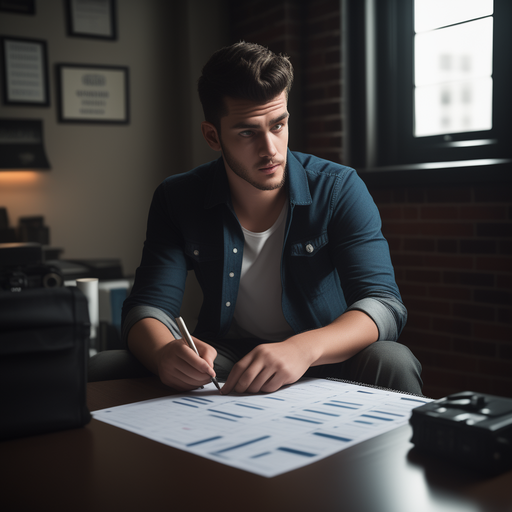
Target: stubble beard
{"x":241,"y":171}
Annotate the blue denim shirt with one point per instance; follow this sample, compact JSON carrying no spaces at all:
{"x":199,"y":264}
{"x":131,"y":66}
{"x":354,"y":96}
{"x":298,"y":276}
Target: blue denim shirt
{"x":334,"y":255}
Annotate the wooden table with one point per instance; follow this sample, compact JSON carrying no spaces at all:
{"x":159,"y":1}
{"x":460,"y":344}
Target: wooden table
{"x":103,"y":468}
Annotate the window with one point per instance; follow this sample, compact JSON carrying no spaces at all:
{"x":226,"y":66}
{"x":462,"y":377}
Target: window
{"x":452,"y":67}
{"x":428,"y":81}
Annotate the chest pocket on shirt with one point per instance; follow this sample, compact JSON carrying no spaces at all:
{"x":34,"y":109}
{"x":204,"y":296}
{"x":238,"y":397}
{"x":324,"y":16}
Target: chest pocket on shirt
{"x":309,"y":248}
{"x":311,"y":265}
{"x":200,"y":253}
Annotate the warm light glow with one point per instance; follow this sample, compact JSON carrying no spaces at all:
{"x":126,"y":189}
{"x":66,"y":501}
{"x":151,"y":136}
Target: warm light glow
{"x":17,"y":177}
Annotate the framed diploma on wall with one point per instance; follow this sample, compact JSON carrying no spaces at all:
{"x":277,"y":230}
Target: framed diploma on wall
{"x":18,"y":6}
{"x":92,"y":18}
{"x":89,"y":93}
{"x":24,"y":70}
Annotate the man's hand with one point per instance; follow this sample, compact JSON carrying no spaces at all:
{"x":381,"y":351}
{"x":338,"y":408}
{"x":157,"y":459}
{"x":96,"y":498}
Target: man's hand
{"x":267,"y":368}
{"x":180,"y":368}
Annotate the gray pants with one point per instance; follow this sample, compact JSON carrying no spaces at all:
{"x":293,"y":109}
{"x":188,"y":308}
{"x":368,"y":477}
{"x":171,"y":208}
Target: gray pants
{"x":385,"y":363}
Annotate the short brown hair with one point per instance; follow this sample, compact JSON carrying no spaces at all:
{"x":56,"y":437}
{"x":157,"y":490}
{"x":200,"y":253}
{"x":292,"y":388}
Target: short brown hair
{"x":243,"y":71}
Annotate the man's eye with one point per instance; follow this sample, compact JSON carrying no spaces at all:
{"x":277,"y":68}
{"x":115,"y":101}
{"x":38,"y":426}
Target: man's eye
{"x":246,"y":133}
{"x":278,"y":127}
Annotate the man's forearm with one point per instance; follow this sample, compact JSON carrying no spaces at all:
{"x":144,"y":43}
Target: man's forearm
{"x":269,"y":366}
{"x":340,"y":340}
{"x":145,"y":339}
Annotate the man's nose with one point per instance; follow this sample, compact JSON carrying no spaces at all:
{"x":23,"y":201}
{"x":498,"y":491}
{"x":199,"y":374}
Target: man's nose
{"x":267,"y":149}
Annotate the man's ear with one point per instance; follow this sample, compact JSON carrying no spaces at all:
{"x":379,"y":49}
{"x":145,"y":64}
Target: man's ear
{"x":211,"y":135}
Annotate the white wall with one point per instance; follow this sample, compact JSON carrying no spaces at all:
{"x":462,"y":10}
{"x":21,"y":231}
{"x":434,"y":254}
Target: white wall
{"x":96,"y":197}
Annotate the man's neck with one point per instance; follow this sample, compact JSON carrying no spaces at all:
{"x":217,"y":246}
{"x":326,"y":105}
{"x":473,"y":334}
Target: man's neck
{"x":257,"y":210}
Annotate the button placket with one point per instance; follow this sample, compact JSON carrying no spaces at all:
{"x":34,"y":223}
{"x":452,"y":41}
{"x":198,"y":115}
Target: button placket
{"x":231,"y":275}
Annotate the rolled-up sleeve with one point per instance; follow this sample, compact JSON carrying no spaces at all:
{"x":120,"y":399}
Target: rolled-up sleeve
{"x":139,"y":312}
{"x":363,"y":259}
{"x":160,"y":279}
{"x":388,"y":313}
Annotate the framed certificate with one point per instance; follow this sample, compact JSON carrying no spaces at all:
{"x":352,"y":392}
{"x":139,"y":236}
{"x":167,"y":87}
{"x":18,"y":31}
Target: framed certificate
{"x":25,"y":76}
{"x":18,"y":6}
{"x":92,"y":94}
{"x":92,"y":18}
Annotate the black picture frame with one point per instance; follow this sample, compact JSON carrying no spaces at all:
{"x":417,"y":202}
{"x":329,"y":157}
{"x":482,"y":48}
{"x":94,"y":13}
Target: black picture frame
{"x":95,"y":19}
{"x":25,"y":72}
{"x":18,"y":6}
{"x":90,"y":93}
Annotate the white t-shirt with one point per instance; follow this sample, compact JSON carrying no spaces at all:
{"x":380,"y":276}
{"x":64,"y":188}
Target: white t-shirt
{"x":258,"y":311}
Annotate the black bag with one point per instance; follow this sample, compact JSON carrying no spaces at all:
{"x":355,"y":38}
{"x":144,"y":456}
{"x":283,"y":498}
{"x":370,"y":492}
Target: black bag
{"x":43,"y":360}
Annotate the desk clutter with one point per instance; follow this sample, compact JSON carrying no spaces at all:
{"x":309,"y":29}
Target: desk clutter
{"x":30,"y":229}
{"x":46,"y":333}
{"x":24,"y":266}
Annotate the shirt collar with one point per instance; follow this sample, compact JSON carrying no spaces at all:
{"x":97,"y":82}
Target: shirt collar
{"x":298,"y":187}
{"x":219,"y":186}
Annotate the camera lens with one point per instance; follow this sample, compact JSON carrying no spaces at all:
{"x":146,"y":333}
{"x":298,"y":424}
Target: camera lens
{"x":52,"y":280}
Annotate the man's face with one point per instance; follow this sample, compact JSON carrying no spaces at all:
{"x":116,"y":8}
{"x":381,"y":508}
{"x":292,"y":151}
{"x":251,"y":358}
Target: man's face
{"x":254,"y":141}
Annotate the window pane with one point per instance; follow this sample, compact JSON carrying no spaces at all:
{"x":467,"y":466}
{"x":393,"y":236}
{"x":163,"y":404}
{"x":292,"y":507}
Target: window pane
{"x":454,"y":53}
{"x":430,"y":14}
{"x":453,"y":107}
{"x":453,"y":79}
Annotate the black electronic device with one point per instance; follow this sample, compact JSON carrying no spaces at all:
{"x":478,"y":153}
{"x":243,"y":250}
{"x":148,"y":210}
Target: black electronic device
{"x":105,"y":268}
{"x":22,"y":266}
{"x":474,"y":429}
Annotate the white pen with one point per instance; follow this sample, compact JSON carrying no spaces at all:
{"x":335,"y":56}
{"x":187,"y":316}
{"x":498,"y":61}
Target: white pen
{"x":190,"y":343}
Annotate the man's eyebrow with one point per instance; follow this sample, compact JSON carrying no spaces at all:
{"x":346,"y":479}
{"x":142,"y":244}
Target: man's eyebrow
{"x":244,"y":125}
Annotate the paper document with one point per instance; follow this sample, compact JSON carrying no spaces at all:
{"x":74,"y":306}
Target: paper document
{"x":267,"y":434}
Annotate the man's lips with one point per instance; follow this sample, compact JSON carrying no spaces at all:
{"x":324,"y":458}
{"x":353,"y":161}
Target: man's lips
{"x":269,"y":169}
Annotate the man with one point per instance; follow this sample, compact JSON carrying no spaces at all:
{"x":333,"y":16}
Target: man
{"x":295,"y":273}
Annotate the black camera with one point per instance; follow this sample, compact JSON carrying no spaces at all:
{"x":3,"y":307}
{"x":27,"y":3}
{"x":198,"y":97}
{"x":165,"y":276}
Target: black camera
{"x":21,"y":267}
{"x":473,"y":429}
{"x":30,"y":277}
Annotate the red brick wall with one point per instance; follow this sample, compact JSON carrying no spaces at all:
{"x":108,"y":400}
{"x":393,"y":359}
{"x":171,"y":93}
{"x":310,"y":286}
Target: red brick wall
{"x":275,"y":24}
{"x":451,"y":246}
{"x":452,"y":251}
{"x":322,"y":80}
